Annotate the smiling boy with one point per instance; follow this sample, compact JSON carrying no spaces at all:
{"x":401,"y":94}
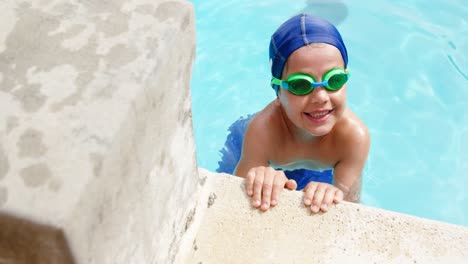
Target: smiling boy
{"x":308,"y":126}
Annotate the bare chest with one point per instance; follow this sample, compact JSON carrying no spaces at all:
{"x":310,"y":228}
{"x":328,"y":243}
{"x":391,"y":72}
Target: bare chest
{"x":313,"y":157}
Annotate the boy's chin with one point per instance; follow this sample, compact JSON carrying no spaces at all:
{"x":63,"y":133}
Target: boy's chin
{"x":318,"y":134}
{"x":320,"y":131}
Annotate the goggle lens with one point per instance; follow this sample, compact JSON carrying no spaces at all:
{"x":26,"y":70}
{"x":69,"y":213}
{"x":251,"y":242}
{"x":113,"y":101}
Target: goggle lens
{"x":299,"y":86}
{"x":337,"y":81}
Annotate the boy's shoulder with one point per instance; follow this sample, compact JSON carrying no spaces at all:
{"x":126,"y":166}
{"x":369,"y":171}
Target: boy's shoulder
{"x":268,"y":119}
{"x":268,"y":123}
{"x":261,"y":131}
{"x":351,"y":130}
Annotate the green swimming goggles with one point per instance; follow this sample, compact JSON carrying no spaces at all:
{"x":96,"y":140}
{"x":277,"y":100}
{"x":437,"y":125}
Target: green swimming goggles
{"x":302,"y":83}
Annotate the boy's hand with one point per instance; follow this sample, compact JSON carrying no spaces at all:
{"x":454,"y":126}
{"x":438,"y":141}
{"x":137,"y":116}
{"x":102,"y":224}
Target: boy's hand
{"x":319,"y":196}
{"x":264,"y":185}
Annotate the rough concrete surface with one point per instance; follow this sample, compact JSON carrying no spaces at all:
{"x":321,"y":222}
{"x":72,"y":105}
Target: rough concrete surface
{"x":231,"y":231}
{"x":96,"y":131}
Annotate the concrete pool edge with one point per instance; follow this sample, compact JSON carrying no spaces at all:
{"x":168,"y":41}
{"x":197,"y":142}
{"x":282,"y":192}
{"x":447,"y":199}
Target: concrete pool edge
{"x":226,"y":227}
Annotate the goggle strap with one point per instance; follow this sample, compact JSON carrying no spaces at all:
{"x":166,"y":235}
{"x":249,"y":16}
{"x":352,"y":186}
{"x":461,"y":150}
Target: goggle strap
{"x":279,"y":82}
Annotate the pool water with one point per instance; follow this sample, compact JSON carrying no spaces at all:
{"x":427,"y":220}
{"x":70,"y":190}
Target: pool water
{"x":409,"y":84}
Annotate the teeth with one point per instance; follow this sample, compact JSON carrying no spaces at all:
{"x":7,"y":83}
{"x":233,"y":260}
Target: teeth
{"x":318,"y":115}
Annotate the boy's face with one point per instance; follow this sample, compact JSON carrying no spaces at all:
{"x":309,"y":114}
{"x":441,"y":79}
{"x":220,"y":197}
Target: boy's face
{"x":318,"y":111}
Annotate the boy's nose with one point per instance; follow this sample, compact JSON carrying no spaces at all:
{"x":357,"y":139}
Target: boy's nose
{"x":318,"y":95}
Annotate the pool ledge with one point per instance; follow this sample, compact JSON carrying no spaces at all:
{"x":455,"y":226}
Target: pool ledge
{"x":226,"y":227}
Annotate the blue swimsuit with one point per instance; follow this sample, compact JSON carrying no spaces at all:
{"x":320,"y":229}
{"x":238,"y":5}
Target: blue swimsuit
{"x":232,"y":151}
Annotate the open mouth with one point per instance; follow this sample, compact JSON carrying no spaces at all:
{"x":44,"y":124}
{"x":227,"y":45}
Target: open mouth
{"x":318,"y":115}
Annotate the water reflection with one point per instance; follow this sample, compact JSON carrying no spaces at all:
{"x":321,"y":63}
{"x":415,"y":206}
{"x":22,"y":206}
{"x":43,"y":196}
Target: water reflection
{"x":334,"y":11}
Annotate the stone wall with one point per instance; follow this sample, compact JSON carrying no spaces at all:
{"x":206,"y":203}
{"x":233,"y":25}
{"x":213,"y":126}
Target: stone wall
{"x":95,"y":113}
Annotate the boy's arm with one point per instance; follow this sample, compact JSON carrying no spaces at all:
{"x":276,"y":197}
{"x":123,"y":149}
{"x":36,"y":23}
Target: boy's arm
{"x":262,"y":183}
{"x":348,"y":171}
{"x":253,"y":150}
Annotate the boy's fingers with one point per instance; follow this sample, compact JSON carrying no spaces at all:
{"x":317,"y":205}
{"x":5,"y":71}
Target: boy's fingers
{"x":338,"y":196}
{"x":249,"y":180}
{"x":291,"y":185}
{"x":309,"y":193}
{"x":328,"y":199}
{"x":318,"y":197}
{"x":278,"y":186}
{"x":267,"y":189}
{"x":257,"y":189}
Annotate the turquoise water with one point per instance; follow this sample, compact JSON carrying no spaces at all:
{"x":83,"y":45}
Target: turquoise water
{"x":410,"y":86}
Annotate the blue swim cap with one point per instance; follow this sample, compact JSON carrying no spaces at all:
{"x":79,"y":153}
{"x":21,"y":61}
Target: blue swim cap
{"x":299,"y":31}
